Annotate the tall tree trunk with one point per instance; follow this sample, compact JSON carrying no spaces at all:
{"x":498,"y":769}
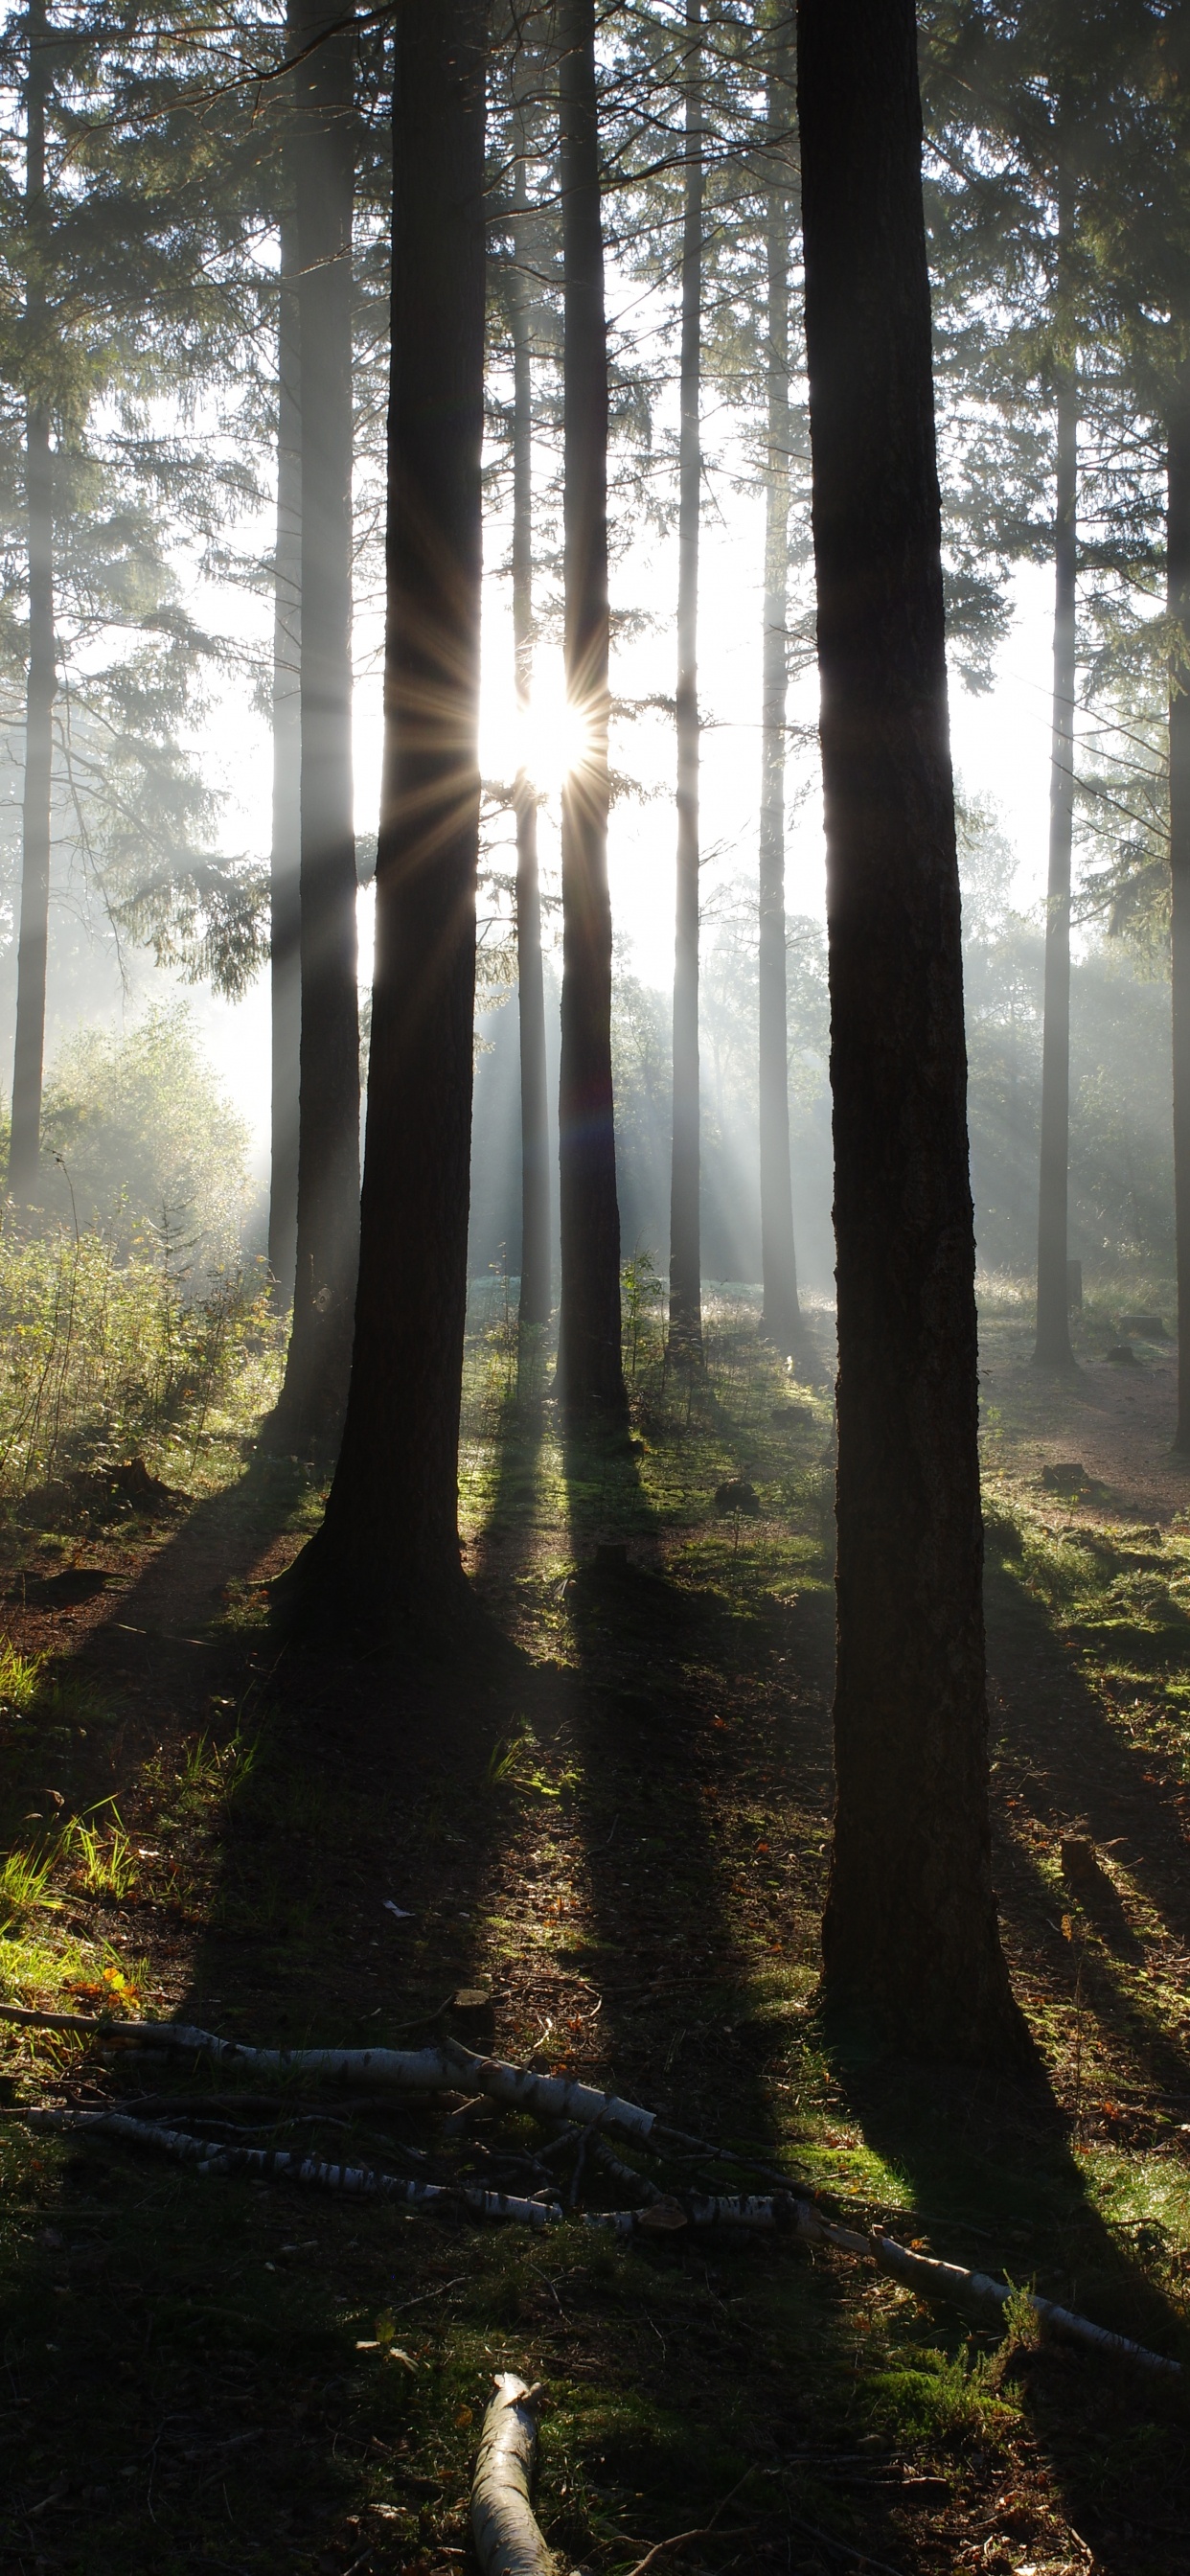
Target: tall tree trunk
{"x":782,"y":1318}
{"x":285,"y":876}
{"x":534,"y":1310}
{"x":910,"y":1939}
{"x":685,"y":1256}
{"x":1053,"y":1348}
{"x":311,"y":1407}
{"x":387,"y":1556}
{"x":590,"y":1368}
{"x":1178,"y":603}
{"x":41,"y":681}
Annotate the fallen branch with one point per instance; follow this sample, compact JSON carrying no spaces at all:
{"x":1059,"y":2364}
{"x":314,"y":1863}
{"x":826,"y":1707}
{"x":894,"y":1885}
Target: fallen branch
{"x":449,"y":2068}
{"x":508,"y":2537}
{"x":280,"y":2161}
{"x":932,"y":2279}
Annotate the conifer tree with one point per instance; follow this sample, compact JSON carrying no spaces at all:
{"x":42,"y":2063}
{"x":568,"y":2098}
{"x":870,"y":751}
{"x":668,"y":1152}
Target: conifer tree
{"x":590,"y":1368}
{"x":782,"y":1316}
{"x":534,"y":1305}
{"x":310,"y":1410}
{"x":285,"y":867}
{"x":910,"y":1940}
{"x":685,"y":1264}
{"x":386,"y":1559}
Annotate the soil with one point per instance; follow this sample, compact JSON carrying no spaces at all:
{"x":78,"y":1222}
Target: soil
{"x":616,"y":1832}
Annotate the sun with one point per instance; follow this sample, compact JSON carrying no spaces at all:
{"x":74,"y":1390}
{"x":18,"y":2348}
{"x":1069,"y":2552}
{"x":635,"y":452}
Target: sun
{"x":554,"y":738}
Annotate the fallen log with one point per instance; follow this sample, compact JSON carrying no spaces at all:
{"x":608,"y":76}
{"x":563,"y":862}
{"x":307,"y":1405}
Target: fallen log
{"x":508,"y":2538}
{"x":216,"y":2158}
{"x":448,"y":2068}
{"x":933,"y":2280}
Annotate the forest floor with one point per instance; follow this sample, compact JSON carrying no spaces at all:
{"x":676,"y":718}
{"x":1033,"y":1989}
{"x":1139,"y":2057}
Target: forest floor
{"x":615,"y":1838}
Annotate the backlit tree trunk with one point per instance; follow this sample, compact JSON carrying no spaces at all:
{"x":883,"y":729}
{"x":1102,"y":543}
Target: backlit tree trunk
{"x":311,"y":1407}
{"x":534,"y":1310}
{"x":910,"y":1940}
{"x":284,"y":891}
{"x":590,"y":1370}
{"x":387,"y":1556}
{"x":1178,"y":603}
{"x":41,"y":678}
{"x":1053,"y":1291}
{"x":782,"y":1318}
{"x":685,"y":1265}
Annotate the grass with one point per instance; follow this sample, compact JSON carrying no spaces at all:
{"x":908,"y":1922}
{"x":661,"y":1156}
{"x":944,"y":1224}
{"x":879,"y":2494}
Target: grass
{"x":621,"y":1837}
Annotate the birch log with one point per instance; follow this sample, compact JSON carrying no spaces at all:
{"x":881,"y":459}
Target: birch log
{"x":508,"y":2538}
{"x":214,"y":2158}
{"x":932,"y":2280}
{"x":450,"y":2068}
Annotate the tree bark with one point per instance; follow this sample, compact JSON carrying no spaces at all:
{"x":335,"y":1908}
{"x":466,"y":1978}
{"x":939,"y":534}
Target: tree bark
{"x":590,"y":1370}
{"x":534,"y":1309}
{"x":685,"y":1259}
{"x":310,"y":1411}
{"x":911,"y":1947}
{"x":781,"y":1321}
{"x":285,"y":872}
{"x":387,"y":1559}
{"x":1053,"y":1348}
{"x":41,"y":679}
{"x":1178,"y":606}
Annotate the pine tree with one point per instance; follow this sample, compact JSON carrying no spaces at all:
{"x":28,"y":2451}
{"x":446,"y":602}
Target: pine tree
{"x":310,"y":1410}
{"x":685,"y":1264}
{"x":590,"y":1369}
{"x":534,"y":1305}
{"x":910,"y":1941}
{"x":782,"y":1316}
{"x":285,"y":869}
{"x":386,"y":1559}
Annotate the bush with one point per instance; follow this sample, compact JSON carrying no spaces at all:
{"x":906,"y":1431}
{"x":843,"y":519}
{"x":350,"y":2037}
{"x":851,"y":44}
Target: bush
{"x":127,"y":1323}
{"x":102,"y":1358}
{"x":151,"y":1153}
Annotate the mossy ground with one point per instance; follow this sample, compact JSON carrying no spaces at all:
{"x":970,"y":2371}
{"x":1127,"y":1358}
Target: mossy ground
{"x":619,"y":1829}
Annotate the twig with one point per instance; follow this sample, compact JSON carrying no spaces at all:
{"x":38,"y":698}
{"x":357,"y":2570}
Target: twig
{"x":862,"y":2557}
{"x":680,"y":2539}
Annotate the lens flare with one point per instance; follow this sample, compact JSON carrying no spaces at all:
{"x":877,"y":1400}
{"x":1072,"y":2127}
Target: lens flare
{"x":555,"y":738}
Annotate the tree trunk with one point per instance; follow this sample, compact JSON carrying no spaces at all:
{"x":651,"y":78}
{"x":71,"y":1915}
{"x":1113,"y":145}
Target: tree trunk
{"x":1053,"y":1295}
{"x":781,"y":1322}
{"x":910,"y":1940}
{"x":41,"y":681}
{"x":387,"y":1556}
{"x":311,"y":1407}
{"x":685,"y":1260}
{"x":590,"y":1370}
{"x":285,"y":879}
{"x":534,"y":1309}
{"x":1178,"y":604}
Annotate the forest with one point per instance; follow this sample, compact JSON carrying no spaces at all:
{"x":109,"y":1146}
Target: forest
{"x":595,"y":1287}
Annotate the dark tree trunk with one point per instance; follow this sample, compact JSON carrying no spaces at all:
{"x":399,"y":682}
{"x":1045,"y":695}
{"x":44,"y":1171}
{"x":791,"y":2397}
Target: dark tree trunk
{"x":781,"y":1321}
{"x":685,"y":1259}
{"x":1053,"y":1289}
{"x":911,"y":1946}
{"x":311,"y":1407}
{"x":590,"y":1369}
{"x":285,"y":880}
{"x":534,"y":1310}
{"x":1178,"y":602}
{"x":387,"y":1556}
{"x":41,"y":681}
